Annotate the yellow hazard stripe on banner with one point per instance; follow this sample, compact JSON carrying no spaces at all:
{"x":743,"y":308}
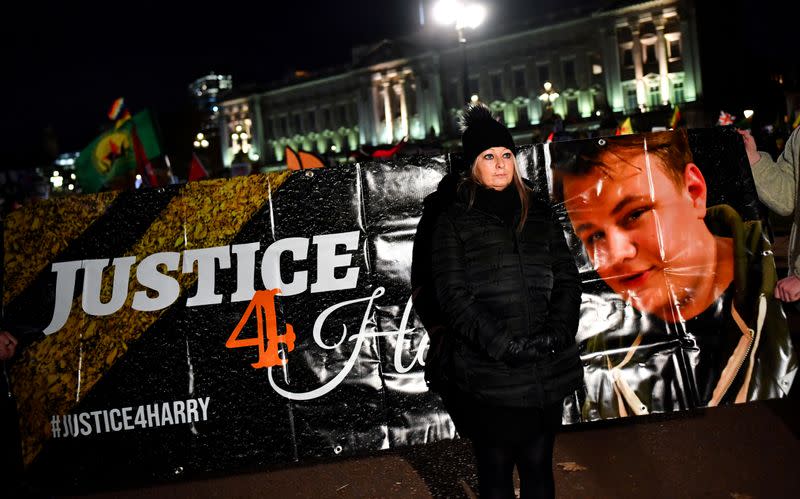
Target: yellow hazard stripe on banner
{"x":54,"y":374}
{"x":36,"y":234}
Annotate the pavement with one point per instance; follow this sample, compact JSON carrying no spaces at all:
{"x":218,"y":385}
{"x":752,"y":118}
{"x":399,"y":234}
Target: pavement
{"x":746,"y":451}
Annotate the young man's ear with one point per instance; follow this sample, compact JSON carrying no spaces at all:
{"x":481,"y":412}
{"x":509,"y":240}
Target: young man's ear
{"x":696,"y":188}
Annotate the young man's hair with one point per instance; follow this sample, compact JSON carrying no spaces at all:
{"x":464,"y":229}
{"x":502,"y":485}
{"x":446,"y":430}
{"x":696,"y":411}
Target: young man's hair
{"x":670,"y":148}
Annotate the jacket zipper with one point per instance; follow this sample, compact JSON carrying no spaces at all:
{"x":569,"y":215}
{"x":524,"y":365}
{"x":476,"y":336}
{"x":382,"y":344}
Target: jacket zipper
{"x":729,"y":381}
{"x":750,"y":335}
{"x":519,"y":263}
{"x":522,"y":278}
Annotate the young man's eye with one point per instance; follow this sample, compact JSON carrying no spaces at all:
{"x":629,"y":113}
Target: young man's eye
{"x":595,"y":237}
{"x":635,"y":215}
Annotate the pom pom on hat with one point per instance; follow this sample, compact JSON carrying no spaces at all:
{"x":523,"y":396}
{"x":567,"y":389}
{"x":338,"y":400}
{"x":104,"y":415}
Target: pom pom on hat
{"x":480,"y":131}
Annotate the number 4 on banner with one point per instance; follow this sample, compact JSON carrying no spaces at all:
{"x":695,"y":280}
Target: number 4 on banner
{"x":263,"y":303}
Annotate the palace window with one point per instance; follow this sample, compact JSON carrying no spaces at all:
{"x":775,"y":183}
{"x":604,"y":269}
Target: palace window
{"x":677,"y":92}
{"x":674,"y":47}
{"x":519,"y":82}
{"x":649,"y":53}
{"x":497,"y":86}
{"x":312,"y":120}
{"x":653,"y":95}
{"x":544,"y":74}
{"x":630,"y":98}
{"x":569,"y":73}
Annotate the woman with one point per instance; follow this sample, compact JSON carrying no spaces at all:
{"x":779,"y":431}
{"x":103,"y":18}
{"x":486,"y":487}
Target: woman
{"x":510,"y":296}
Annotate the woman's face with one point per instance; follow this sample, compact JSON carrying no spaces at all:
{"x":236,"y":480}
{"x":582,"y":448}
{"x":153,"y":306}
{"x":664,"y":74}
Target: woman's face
{"x":495,"y":167}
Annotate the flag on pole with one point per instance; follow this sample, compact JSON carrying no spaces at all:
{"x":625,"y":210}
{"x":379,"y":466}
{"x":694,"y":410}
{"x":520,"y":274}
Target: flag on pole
{"x":388,"y":153}
{"x":116,"y":107}
{"x":626,"y":128}
{"x":109,"y":161}
{"x":196,"y":170}
{"x":676,"y":117}
{"x":144,"y":167}
{"x":725,"y":119}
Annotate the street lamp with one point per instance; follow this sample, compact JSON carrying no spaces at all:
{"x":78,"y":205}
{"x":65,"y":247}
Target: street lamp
{"x":240,"y":139}
{"x":462,"y":15}
{"x":549,"y":95}
{"x":200,"y":141}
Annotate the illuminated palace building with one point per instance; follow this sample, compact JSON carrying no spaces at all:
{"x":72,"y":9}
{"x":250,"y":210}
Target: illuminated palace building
{"x":636,"y":57}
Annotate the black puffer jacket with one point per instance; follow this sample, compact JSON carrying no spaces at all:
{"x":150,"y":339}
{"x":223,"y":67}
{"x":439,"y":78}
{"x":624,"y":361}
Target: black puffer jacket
{"x":497,"y":287}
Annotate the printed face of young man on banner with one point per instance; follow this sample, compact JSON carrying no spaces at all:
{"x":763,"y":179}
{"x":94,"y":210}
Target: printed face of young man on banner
{"x":638,"y":204}
{"x":640,"y":219}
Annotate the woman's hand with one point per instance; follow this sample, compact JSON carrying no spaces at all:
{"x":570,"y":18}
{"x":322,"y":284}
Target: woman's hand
{"x":788,"y":289}
{"x":750,"y":146}
{"x":521,"y":350}
{"x":8,"y":345}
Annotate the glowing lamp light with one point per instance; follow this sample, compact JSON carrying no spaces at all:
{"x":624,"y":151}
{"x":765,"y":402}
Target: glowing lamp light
{"x":57,"y":180}
{"x":474,"y":98}
{"x":200,"y":136}
{"x":446,"y":11}
{"x":71,"y":187}
{"x":204,"y":143}
{"x":748,"y":113}
{"x":197,"y":143}
{"x":473,"y":16}
{"x":549,"y":95}
{"x":461,"y":14}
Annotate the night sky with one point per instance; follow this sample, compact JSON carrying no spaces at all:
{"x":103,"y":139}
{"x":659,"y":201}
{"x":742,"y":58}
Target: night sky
{"x":65,"y":62}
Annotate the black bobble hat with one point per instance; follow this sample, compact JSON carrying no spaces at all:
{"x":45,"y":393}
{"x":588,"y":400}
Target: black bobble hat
{"x":480,"y":131}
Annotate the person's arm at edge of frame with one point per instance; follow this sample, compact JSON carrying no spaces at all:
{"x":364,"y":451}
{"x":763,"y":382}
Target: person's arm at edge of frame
{"x":462,"y":313}
{"x":776,"y":186}
{"x":775,"y":180}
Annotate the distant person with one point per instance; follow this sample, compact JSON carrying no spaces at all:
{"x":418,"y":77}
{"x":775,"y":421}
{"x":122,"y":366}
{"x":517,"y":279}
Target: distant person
{"x":638,"y":205}
{"x":10,"y":449}
{"x":509,"y":297}
{"x":777,"y":184}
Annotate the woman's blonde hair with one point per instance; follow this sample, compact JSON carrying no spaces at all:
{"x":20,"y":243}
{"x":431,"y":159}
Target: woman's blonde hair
{"x":472,"y":181}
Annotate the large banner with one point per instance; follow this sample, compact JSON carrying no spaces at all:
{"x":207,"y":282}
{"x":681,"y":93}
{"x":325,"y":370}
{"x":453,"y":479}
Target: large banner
{"x":232,"y":324}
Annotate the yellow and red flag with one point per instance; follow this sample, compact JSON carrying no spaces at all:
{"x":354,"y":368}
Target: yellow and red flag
{"x":626,"y":128}
{"x":676,"y":117}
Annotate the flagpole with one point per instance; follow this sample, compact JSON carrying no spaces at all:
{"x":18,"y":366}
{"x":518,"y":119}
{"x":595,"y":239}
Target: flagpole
{"x":172,"y":179}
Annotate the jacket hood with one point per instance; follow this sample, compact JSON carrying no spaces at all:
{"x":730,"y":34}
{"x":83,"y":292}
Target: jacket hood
{"x":752,"y":271}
